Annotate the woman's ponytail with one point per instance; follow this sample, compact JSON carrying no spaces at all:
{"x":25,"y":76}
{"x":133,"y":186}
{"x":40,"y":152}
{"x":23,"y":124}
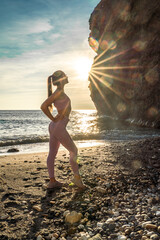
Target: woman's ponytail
{"x":49,"y":86}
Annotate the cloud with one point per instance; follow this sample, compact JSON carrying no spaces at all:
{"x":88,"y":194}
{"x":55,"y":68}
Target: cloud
{"x":39,"y":42}
{"x":55,"y":36}
{"x":24,"y":36}
{"x":33,"y":26}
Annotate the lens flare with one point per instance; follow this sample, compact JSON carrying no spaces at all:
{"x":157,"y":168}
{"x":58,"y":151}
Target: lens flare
{"x":152,"y":112}
{"x":104,"y":45}
{"x":109,"y":76}
{"x":121,"y":33}
{"x":109,"y":58}
{"x":107,"y":85}
{"x":140,"y":45}
{"x":152,"y":76}
{"x":112,"y":44}
{"x":121,"y":107}
{"x":93,"y":43}
{"x":102,"y":95}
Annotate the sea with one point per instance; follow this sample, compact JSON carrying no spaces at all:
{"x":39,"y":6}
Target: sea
{"x":27,"y":130}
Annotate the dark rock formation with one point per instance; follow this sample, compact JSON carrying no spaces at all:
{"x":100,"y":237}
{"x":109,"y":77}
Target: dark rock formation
{"x":13,"y":150}
{"x":124,"y":79}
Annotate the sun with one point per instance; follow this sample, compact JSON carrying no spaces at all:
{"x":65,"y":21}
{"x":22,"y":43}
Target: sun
{"x":83,"y":66}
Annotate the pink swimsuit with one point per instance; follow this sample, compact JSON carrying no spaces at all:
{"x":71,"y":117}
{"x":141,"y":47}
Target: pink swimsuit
{"x":62,"y":104}
{"x":59,"y":135}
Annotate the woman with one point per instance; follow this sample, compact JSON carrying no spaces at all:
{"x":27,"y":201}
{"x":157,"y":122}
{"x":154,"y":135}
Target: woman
{"x":57,"y":127}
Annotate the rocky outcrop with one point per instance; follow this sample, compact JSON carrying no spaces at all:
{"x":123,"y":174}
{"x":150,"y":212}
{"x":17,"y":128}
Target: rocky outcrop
{"x":124,"y":79}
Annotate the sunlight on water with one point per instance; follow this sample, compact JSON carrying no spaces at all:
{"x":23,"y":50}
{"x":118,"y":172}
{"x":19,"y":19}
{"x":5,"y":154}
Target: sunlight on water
{"x":28,"y":130}
{"x":85,"y":124}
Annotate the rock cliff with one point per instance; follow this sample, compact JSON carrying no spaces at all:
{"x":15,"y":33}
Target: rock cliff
{"x":124,"y":79}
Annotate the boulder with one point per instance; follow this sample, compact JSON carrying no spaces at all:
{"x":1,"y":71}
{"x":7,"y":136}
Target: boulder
{"x":13,"y":150}
{"x":124,"y":78}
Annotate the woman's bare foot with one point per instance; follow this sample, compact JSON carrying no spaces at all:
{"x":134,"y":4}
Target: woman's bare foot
{"x":78,"y":181}
{"x":54,"y":184}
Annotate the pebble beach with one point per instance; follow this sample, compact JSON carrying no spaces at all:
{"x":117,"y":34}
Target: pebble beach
{"x":121,"y":200}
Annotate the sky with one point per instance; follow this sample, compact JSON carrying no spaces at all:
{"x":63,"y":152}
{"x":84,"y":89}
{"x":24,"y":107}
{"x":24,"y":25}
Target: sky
{"x":39,"y":37}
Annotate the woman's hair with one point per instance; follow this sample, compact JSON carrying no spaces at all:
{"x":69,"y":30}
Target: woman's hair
{"x":55,"y":79}
{"x":49,"y":84}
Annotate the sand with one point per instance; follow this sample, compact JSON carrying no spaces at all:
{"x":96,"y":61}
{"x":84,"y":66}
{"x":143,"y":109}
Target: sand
{"x":107,"y":171}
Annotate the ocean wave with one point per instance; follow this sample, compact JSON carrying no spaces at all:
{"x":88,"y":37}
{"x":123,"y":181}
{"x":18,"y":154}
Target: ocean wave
{"x":23,"y":141}
{"x":104,"y":135}
{"x":46,"y":139}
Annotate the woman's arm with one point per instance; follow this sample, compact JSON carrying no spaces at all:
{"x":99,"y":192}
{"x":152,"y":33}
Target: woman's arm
{"x":46,"y":105}
{"x":65,"y":112}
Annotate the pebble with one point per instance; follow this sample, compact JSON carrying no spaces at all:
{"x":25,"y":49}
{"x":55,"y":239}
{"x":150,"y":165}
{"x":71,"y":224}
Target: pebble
{"x":38,"y":208}
{"x":154,"y":237}
{"x":96,"y":237}
{"x":39,"y":237}
{"x":81,"y":227}
{"x":55,"y":235}
{"x":109,"y":220}
{"x":4,"y":217}
{"x":154,"y":208}
{"x":100,"y":225}
{"x":144,"y":238}
{"x":73,"y":217}
{"x":145,"y":223}
{"x":149,"y":234}
{"x":84,"y":236}
{"x":116,"y":214}
{"x":113,"y":236}
{"x":158,"y":213}
{"x":111,"y":226}
{"x":13,"y":150}
{"x":122,"y":237}
{"x":127,"y":231}
{"x":101,"y":190}
{"x":151,"y":227}
{"x":66,"y":212}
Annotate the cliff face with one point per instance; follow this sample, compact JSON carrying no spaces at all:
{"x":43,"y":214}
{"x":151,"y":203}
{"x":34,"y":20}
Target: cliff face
{"x":124,"y":79}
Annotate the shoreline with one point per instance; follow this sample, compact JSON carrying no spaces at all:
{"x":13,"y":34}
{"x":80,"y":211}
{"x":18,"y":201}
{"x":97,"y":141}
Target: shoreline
{"x":44,"y":147}
{"x":122,"y":194}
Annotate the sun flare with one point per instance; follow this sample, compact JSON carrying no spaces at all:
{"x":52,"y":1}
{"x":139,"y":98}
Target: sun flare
{"x":83,"y":67}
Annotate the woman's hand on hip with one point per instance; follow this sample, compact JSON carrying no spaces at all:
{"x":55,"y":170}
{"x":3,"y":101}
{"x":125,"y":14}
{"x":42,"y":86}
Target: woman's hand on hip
{"x":58,"y":117}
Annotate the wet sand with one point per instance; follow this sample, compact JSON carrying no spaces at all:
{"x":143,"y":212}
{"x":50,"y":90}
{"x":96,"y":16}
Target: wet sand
{"x":122,"y":183}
